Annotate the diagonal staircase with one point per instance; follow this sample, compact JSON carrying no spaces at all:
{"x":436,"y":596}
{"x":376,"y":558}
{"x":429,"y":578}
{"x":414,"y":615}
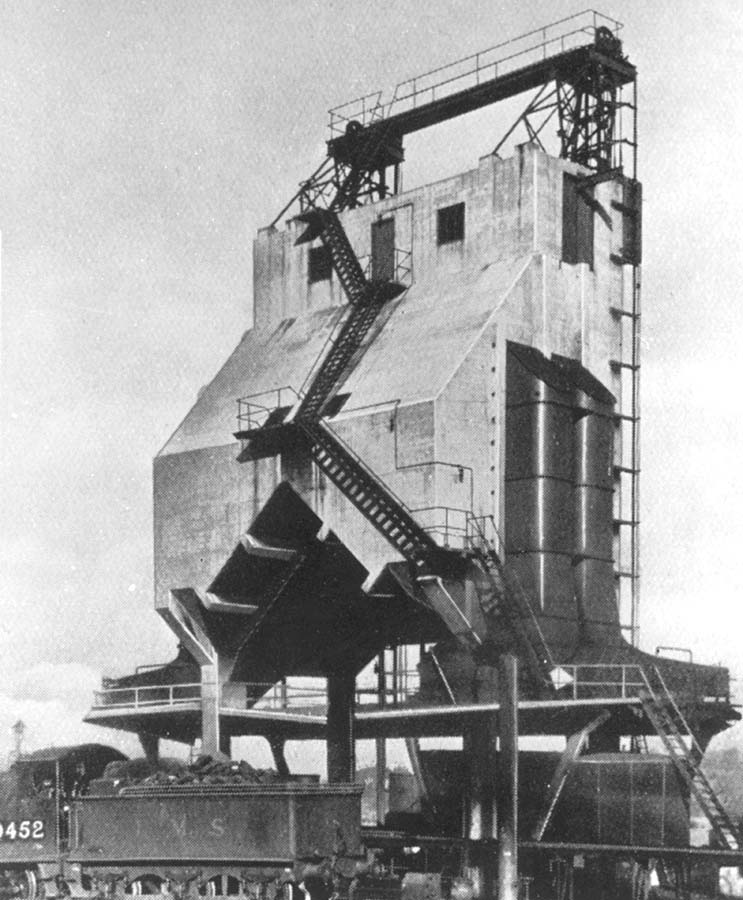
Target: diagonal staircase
{"x":509,"y":606}
{"x":386,"y":512}
{"x":366,"y":299}
{"x":325,"y":224}
{"x":665,"y":716}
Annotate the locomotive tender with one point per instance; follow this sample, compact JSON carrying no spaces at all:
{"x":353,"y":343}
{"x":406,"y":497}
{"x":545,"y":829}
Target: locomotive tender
{"x":61,"y":838}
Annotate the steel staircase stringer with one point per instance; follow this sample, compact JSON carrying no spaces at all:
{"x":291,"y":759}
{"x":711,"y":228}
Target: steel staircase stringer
{"x":656,"y":706}
{"x":371,"y":497}
{"x":509,"y":602}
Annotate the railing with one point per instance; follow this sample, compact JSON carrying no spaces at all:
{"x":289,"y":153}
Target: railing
{"x":456,"y":527}
{"x":399,"y":686}
{"x":487,"y":65}
{"x":147,"y":696}
{"x":284,"y":696}
{"x":402,"y":267}
{"x":599,"y":680}
{"x":590,"y":681}
{"x":254,"y":410}
{"x":448,"y":525}
{"x":242,"y":695}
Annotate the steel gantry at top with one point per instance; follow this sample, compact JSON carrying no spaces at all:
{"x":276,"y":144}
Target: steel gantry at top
{"x":584,"y":86}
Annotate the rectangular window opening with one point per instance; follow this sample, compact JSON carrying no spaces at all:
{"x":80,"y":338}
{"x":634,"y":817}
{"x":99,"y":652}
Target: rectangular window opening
{"x":450,"y":224}
{"x":320,"y":264}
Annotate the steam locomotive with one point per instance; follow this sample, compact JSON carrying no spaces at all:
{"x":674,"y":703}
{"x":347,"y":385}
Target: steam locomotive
{"x":67,"y":831}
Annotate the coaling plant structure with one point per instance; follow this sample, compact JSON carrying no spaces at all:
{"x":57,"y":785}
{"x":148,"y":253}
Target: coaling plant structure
{"x":428,"y":502}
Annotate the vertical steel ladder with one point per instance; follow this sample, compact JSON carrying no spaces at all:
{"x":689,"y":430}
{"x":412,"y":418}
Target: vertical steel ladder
{"x":664,"y":714}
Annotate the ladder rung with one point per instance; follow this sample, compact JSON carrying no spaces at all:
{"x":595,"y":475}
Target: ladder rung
{"x":620,"y":364}
{"x":618,"y":311}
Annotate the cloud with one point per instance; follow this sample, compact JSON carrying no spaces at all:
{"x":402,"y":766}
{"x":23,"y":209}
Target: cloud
{"x":51,"y":700}
{"x":71,"y":684}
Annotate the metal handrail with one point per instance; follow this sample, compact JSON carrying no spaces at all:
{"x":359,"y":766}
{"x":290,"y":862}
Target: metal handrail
{"x":137,"y":697}
{"x":407,"y":94}
{"x":402,"y":266}
{"x":668,"y":696}
{"x":480,"y":542}
{"x":630,"y":683}
{"x":269,"y":694}
{"x":450,"y":523}
{"x":253,"y":410}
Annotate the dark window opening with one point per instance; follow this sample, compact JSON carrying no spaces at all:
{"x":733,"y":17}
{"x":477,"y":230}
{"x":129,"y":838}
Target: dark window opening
{"x":577,"y":221}
{"x":321,"y":264}
{"x":383,"y":250}
{"x":450,"y":224}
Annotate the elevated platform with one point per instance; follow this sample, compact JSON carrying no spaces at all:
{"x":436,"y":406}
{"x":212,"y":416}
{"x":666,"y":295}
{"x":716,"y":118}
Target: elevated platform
{"x":299,"y":713}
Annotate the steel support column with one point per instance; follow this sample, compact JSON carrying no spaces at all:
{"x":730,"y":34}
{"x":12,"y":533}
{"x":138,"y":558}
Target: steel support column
{"x":479,"y":746}
{"x":508,"y":779}
{"x":340,"y":738}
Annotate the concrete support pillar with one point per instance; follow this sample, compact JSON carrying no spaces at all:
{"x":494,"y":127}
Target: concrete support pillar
{"x":508,"y":779}
{"x":210,"y":737}
{"x":151,"y":747}
{"x":479,"y":744}
{"x":340,"y":738}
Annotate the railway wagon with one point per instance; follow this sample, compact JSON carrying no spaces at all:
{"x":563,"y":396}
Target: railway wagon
{"x":215,"y":839}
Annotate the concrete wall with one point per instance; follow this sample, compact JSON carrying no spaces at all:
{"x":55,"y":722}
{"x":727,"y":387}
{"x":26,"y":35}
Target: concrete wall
{"x":203,"y":501}
{"x":431,"y":395}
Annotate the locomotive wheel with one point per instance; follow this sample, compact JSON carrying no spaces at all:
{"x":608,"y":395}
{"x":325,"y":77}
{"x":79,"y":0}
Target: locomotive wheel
{"x":220,"y":886}
{"x":147,"y":884}
{"x":24,"y":882}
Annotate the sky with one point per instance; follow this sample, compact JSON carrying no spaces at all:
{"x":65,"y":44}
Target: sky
{"x":142,"y":145}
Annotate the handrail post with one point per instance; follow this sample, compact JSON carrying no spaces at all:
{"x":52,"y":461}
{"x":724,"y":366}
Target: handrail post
{"x":624,"y":682}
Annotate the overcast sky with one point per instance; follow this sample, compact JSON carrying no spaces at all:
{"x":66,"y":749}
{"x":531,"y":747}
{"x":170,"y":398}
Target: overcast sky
{"x":143,"y":143}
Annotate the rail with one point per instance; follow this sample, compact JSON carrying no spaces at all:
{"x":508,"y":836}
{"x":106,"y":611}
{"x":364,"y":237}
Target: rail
{"x":574,"y":681}
{"x":146,"y":696}
{"x":402,"y":266}
{"x":400,"y":685}
{"x":471,"y":71}
{"x":447,"y":524}
{"x":254,"y":410}
{"x":279,"y":696}
{"x":623,"y":681}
